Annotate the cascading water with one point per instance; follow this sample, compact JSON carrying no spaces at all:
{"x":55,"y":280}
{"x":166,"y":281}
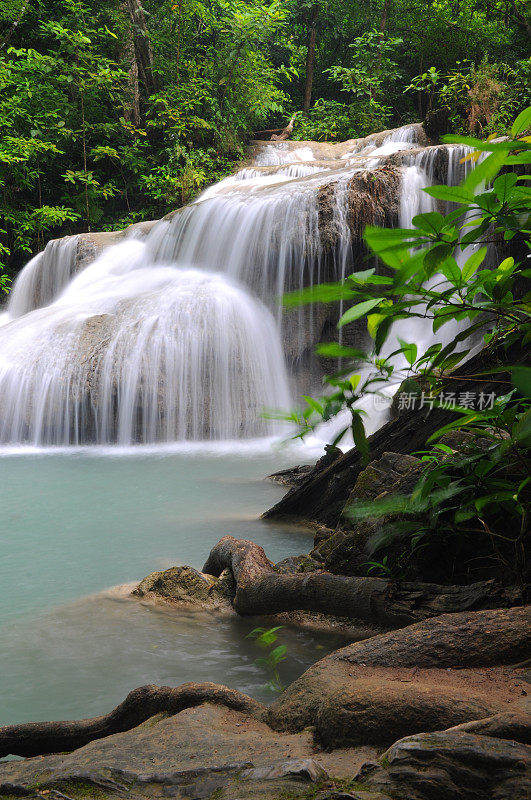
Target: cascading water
{"x":179,"y":335}
{"x":44,"y":276}
{"x":133,"y":351}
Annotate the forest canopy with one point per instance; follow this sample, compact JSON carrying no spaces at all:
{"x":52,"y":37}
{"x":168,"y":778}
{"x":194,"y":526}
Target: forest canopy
{"x":116,"y":111}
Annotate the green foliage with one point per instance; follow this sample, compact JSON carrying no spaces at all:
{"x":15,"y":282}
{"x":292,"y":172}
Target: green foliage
{"x":460,"y":497}
{"x":78,"y":150}
{"x":87,"y":141}
{"x":469,"y":512}
{"x":482,"y":98}
{"x":266,"y":639}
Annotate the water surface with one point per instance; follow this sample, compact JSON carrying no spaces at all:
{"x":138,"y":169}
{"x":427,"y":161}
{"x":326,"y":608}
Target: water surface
{"x":76,"y":523}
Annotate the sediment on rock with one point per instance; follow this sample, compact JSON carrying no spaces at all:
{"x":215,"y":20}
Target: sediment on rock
{"x":373,"y":197}
{"x":470,"y":640}
{"x":188,"y":587}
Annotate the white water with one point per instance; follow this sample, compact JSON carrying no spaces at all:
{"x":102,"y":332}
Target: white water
{"x":43,"y":277}
{"x":180,"y":336}
{"x":174,"y":341}
{"x":133,"y":351}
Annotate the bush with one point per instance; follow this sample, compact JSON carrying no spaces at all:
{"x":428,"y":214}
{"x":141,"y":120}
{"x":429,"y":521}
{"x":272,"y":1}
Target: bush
{"x":479,"y":501}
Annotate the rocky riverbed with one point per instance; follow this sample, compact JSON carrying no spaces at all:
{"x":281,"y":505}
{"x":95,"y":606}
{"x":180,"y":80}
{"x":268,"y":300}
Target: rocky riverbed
{"x":437,"y":709}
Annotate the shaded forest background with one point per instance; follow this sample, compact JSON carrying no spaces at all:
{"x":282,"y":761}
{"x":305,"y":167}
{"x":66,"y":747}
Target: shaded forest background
{"x":115,"y":111}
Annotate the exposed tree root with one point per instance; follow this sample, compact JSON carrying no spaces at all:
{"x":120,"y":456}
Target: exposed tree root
{"x":262,"y":590}
{"x":37,"y":738}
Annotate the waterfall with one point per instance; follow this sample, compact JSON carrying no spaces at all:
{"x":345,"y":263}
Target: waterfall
{"x":177,"y":333}
{"x":282,"y":153}
{"x":133,"y":351}
{"x":44,"y":276}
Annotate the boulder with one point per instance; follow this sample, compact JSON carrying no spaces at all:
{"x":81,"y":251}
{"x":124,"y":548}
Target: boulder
{"x":185,"y":585}
{"x":446,"y":764}
{"x":291,"y":476}
{"x":337,"y":689}
{"x":294,"y":475}
{"x":345,"y":551}
{"x":202,"y":752}
{"x":292,"y":564}
{"x":514,"y":725}
{"x":380,"y":705}
{"x":467,"y":639}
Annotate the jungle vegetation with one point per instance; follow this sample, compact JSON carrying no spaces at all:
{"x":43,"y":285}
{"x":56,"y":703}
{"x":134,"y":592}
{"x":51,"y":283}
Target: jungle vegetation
{"x":115,"y":111}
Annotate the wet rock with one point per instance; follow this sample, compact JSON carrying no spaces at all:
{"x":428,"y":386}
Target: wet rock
{"x":327,"y":690}
{"x":294,"y":564}
{"x":373,"y":198}
{"x":515,"y":725}
{"x":90,"y":245}
{"x":380,"y":708}
{"x":467,"y":639}
{"x":345,"y":551}
{"x":199,"y":753}
{"x":461,"y":766}
{"x":306,"y":769}
{"x":292,"y":476}
{"x":295,"y":475}
{"x":226,"y":585}
{"x":185,"y":585}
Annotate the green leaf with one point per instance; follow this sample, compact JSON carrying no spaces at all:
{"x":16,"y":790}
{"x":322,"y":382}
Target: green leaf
{"x":472,"y":263}
{"x":522,"y":431}
{"x":521,"y":158}
{"x":317,"y":407}
{"x":321,"y":293}
{"x":382,"y":332}
{"x":441,"y":318}
{"x":521,"y":377}
{"x":362,"y":276}
{"x":391,"y":244}
{"x":453,"y":360}
{"x":522,"y":122}
{"x":450,"y":269}
{"x":503,"y":185}
{"x":359,"y":310}
{"x":451,"y":194}
{"x":431,"y":222}
{"x":409,"y":351}
{"x":434,"y":257}
{"x":373,"y":321}
{"x":360,"y":439}
{"x":506,"y":265}
{"x":485,"y":170}
{"x":334,"y":350}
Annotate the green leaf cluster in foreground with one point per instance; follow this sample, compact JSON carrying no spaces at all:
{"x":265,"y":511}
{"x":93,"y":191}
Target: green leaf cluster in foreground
{"x":442,"y":270}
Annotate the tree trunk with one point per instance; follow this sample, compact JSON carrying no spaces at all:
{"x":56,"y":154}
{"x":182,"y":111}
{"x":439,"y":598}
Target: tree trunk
{"x":142,"y":49}
{"x":131,"y":111}
{"x":260,"y":589}
{"x":310,"y":60}
{"x":11,"y":30}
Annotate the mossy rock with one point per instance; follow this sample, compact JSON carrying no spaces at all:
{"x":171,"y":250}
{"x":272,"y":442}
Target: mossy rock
{"x":186,"y":585}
